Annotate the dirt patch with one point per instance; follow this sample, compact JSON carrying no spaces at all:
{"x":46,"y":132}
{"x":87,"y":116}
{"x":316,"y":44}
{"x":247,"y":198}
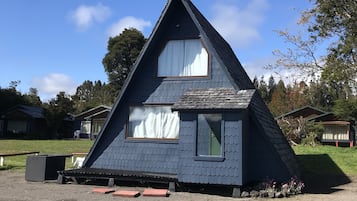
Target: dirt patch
{"x":14,"y":187}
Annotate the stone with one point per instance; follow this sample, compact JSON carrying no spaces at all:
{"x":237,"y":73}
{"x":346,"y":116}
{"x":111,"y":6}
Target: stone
{"x":284,"y":192}
{"x":263,"y":193}
{"x":279,"y":195}
{"x":245,"y":194}
{"x":271,"y":194}
{"x":254,"y":193}
{"x":111,"y":182}
{"x":236,"y":192}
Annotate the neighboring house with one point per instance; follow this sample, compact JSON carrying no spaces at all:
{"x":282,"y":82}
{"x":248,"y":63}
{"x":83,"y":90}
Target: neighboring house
{"x":91,"y":121}
{"x":22,"y":121}
{"x":335,"y":130}
{"x":189,"y":113}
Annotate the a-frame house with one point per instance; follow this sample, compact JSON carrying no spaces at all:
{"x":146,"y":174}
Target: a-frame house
{"x":189,"y":113}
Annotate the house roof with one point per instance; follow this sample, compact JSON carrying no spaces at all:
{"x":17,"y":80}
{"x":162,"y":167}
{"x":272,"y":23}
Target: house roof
{"x":93,"y":111}
{"x":311,"y":114}
{"x":214,"y":98}
{"x":220,"y":47}
{"x":213,"y":41}
{"x":305,"y":112}
{"x":328,"y":116}
{"x":100,"y":114}
{"x":31,"y":111}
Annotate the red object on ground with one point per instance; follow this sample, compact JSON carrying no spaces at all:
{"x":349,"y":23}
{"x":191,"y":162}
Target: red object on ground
{"x":103,"y":190}
{"x":156,"y":192}
{"x":126,"y":193}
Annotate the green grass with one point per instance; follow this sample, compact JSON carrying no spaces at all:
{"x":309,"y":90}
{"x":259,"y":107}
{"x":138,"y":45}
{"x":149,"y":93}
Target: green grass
{"x":43,"y":146}
{"x":313,"y":160}
{"x":329,"y":160}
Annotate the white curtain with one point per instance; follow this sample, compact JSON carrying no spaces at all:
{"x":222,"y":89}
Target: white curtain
{"x":183,"y":58}
{"x":153,"y":122}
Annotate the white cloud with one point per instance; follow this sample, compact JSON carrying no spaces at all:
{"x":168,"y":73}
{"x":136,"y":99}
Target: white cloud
{"x":49,"y":85}
{"x":258,"y":68}
{"x":85,"y":16}
{"x":128,"y":22}
{"x":239,"y":26}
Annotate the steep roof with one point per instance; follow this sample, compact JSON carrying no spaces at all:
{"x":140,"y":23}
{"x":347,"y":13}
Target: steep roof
{"x":223,"y":53}
{"x":214,"y":42}
{"x":31,"y":111}
{"x":220,"y":47}
{"x":214,"y":98}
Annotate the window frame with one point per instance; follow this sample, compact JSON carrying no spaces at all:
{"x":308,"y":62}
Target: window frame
{"x":184,"y":77}
{"x":217,"y":158}
{"x":137,"y":139}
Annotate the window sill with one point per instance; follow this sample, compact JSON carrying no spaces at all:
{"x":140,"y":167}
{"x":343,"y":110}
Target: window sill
{"x":209,"y":158}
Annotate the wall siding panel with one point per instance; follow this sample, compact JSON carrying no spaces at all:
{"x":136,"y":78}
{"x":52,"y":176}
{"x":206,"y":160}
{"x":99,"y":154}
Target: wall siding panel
{"x":228,"y":171}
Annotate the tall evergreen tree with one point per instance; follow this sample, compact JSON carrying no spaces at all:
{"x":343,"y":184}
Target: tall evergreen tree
{"x":279,"y":103}
{"x":263,"y":90}
{"x":256,"y":82}
{"x":271,"y":87}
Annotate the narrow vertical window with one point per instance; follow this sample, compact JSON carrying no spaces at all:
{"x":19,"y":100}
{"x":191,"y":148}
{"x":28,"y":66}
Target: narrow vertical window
{"x":209,"y":135}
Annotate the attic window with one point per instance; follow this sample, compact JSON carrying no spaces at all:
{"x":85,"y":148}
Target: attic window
{"x":183,"y":58}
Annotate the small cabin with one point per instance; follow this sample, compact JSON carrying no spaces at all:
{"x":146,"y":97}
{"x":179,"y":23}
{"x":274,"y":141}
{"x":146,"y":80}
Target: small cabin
{"x":189,"y":113}
{"x":336,"y":130}
{"x":90,"y":122}
{"x":22,"y":121}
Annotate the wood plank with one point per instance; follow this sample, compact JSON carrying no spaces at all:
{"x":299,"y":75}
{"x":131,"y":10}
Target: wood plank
{"x":18,"y":153}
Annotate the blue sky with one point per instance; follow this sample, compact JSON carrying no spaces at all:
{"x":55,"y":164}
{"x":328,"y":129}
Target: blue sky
{"x":56,"y":45}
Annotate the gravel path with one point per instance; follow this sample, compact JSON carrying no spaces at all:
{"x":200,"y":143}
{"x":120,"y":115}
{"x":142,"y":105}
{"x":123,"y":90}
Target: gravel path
{"x":14,"y":187}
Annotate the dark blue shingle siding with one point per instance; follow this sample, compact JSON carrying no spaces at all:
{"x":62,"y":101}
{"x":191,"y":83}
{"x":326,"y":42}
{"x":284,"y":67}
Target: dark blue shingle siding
{"x":274,"y":135}
{"x":113,"y":151}
{"x":228,"y":171}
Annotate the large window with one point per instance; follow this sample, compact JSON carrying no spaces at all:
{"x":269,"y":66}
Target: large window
{"x":85,"y":127}
{"x":157,"y":122}
{"x":17,"y":126}
{"x":183,"y":58}
{"x":97,"y":125}
{"x":209,"y":135}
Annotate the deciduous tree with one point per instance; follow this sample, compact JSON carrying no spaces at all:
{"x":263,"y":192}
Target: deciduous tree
{"x":122,"y":53}
{"x":336,"y":20}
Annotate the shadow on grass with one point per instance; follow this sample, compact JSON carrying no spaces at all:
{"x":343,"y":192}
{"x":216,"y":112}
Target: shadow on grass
{"x":321,"y":174}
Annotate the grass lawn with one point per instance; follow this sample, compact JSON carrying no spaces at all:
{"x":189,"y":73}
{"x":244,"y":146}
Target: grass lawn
{"x":327,"y":160}
{"x":43,"y":146}
{"x":319,"y":160}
